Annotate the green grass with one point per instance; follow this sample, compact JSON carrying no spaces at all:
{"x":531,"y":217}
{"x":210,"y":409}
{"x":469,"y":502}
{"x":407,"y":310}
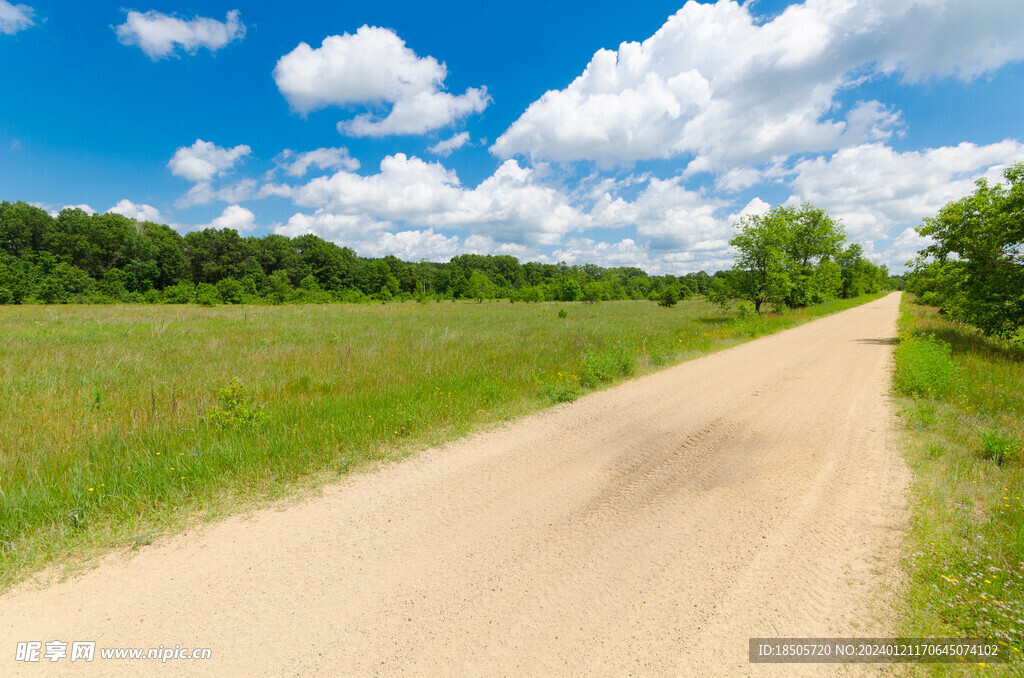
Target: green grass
{"x":962,"y":398}
{"x":118,"y":423}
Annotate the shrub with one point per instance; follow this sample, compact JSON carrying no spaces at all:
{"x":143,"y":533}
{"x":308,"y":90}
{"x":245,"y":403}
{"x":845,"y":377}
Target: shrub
{"x":233,"y":409}
{"x":181,"y":293}
{"x":207,"y":294}
{"x":924,"y":366}
{"x":563,"y":314}
{"x":230,"y":290}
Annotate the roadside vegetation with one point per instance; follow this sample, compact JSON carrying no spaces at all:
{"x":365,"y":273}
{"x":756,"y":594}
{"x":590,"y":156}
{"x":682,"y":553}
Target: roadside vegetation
{"x":962,"y":397}
{"x":121,"y":422}
{"x":960,"y":376}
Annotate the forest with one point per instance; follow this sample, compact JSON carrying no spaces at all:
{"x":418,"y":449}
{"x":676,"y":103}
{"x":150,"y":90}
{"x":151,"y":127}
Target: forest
{"x":77,"y":257}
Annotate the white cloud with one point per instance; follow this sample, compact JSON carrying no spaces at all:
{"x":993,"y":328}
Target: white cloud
{"x":204,"y":160}
{"x":331,"y":226}
{"x":159,"y":35}
{"x":905,"y":247}
{"x":276,"y":190}
{"x":873,"y":188}
{"x":445,"y":147}
{"x":14,"y":18}
{"x":82,"y":206}
{"x":373,"y":238}
{"x":515,"y":211}
{"x":716,"y":83}
{"x":204,"y":192}
{"x":626,"y":252}
{"x":236,"y":217}
{"x":414,"y":245}
{"x":138,"y":211}
{"x":371,"y":68}
{"x":668,"y":217}
{"x":510,"y":206}
{"x":405,"y":189}
{"x":755,"y":207}
{"x":297,"y":164}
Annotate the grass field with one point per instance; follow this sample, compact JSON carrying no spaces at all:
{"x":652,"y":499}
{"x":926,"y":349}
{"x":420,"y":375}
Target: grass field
{"x":118,"y":423}
{"x":962,"y":397}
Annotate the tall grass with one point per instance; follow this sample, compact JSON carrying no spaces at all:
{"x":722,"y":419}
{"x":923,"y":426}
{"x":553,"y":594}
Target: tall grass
{"x":119,"y":422}
{"x":962,"y":397}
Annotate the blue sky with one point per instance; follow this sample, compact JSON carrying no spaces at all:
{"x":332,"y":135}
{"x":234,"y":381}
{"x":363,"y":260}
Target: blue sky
{"x":613,"y":133}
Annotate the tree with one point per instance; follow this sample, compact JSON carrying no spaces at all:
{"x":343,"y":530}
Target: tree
{"x":279,"y":287}
{"x":23,"y":228}
{"x":978,"y":244}
{"x":815,"y":240}
{"x":669,"y":297}
{"x":761,"y":273}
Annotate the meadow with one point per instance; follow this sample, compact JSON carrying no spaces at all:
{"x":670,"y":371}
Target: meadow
{"x":121,"y":423}
{"x":962,"y":398}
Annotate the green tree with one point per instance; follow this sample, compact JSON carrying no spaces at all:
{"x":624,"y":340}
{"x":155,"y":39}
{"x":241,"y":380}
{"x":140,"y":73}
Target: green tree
{"x":230,"y":291}
{"x":978,"y":244}
{"x":815,"y":240}
{"x":207,"y":295}
{"x":23,"y":228}
{"x":279,"y":287}
{"x":761,"y":272}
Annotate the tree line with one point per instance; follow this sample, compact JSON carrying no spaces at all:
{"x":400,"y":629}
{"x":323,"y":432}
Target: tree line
{"x":96,"y":258}
{"x":77,"y":257}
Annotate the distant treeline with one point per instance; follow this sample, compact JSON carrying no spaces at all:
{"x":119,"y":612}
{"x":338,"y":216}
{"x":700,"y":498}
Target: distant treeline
{"x":78,"y":257}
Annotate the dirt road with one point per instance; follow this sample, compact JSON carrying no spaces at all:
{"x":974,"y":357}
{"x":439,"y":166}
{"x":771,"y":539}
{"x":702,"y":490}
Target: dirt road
{"x":649,"y":529}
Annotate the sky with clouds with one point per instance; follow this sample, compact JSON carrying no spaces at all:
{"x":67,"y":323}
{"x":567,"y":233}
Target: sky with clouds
{"x":622,"y":134}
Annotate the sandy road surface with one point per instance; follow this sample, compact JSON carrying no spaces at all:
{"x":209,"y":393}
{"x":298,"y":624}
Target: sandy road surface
{"x":649,"y":529}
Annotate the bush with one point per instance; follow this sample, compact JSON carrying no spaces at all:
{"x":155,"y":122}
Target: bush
{"x":207,"y":294}
{"x":668,"y":298}
{"x":924,"y":367}
{"x":231,"y":291}
{"x":233,"y":410}
{"x":181,"y":293}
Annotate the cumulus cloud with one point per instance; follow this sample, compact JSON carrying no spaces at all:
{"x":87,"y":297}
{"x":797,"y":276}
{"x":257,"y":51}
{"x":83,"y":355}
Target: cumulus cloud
{"x":205,"y":192}
{"x":138,"y":211}
{"x":204,"y":160}
{"x":510,"y":206}
{"x":374,"y":68}
{"x":873,"y":188}
{"x":405,"y":189}
{"x":717,"y":83}
{"x":236,"y":217}
{"x":297,"y":164}
{"x":517,"y":210}
{"x":625,"y":252}
{"x":371,"y":237}
{"x":445,"y":147}
{"x":81,"y":206}
{"x":906,"y":245}
{"x":160,"y":35}
{"x":14,"y":18}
